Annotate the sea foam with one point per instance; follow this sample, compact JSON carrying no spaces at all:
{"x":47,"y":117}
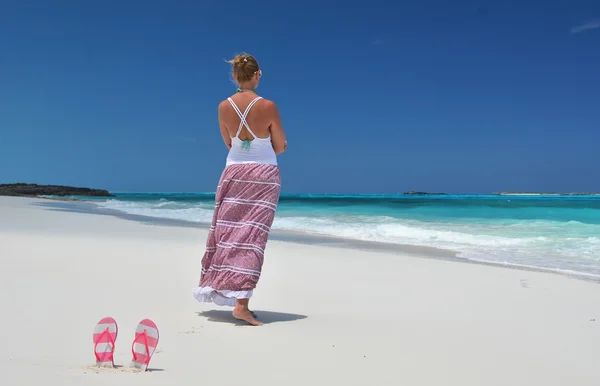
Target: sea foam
{"x":560,"y":245}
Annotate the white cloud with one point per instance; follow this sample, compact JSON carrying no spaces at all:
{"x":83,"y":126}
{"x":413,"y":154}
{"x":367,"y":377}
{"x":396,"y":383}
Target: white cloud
{"x":586,"y":26}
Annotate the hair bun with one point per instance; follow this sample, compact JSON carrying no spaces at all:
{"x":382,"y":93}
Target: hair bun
{"x":240,"y":60}
{"x":244,"y":67}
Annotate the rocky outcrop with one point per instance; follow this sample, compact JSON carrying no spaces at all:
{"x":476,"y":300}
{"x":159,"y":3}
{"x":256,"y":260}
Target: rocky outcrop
{"x":34,"y":190}
{"x":424,"y":193}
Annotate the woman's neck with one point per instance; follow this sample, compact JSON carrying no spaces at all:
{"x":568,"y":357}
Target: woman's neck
{"x":245,"y":87}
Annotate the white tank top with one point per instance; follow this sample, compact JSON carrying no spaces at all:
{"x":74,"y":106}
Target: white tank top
{"x":257,"y":150}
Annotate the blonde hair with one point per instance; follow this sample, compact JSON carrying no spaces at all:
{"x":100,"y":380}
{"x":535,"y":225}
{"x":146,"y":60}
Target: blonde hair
{"x":244,"y":66}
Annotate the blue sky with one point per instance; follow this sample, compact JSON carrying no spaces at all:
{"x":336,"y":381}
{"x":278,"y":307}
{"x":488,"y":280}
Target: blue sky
{"x":376,"y":97}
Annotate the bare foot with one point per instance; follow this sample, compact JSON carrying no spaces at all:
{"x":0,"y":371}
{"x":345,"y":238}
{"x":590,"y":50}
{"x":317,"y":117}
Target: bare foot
{"x":246,"y":315}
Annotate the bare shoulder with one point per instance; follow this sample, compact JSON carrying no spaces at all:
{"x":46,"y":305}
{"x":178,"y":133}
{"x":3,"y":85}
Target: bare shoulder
{"x":223,"y":105}
{"x":270,"y":106}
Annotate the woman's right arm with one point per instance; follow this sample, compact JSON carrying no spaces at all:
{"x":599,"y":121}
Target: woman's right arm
{"x":223,"y":127}
{"x":277,"y":133}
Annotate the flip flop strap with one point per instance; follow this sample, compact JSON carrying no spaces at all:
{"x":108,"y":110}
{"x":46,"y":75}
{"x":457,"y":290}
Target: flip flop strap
{"x":145,"y":345}
{"x":110,"y":339}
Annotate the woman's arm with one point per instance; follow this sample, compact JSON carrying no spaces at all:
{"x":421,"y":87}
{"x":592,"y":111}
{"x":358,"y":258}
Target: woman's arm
{"x":277,"y":133}
{"x":224,"y":129}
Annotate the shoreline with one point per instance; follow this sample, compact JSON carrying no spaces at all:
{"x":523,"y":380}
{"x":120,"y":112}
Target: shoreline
{"x":89,"y":207}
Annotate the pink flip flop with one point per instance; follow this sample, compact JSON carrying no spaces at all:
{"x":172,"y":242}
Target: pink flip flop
{"x":144,"y":344}
{"x":105,"y":335}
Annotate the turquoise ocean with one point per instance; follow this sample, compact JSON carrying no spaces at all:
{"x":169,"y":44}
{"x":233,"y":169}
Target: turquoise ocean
{"x":553,"y":232}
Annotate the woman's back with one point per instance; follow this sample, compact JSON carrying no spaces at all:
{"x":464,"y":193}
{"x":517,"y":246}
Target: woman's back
{"x":250,"y":143}
{"x":258,"y":117}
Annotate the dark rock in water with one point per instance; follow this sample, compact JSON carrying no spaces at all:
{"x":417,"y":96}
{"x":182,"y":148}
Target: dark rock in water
{"x":34,"y":190}
{"x":424,"y":193}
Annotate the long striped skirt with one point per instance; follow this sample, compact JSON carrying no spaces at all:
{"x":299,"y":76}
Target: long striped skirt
{"x":245,"y":205}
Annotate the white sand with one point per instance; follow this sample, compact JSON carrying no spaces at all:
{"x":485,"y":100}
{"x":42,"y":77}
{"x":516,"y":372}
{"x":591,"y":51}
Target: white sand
{"x":333,"y":316}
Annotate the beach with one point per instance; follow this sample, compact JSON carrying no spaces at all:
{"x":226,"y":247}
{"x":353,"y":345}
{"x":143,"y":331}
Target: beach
{"x":333,"y":315}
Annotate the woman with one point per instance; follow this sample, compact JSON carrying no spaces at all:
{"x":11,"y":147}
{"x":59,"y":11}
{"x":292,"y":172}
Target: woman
{"x":247,"y":194}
